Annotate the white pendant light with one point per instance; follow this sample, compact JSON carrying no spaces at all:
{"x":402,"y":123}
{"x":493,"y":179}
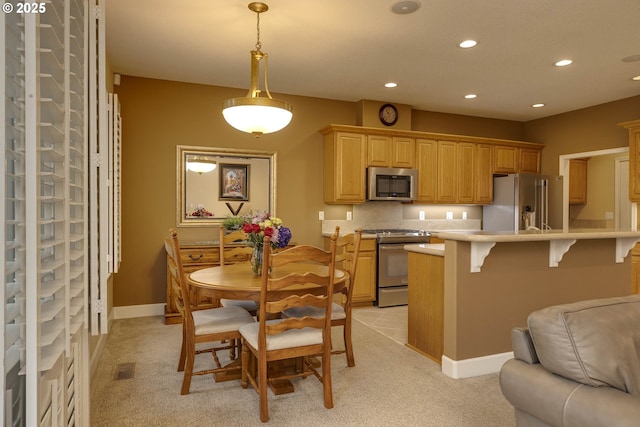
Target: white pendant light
{"x":252,"y":113}
{"x":201,"y":164}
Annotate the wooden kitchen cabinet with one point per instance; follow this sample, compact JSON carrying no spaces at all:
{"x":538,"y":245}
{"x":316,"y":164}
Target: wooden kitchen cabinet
{"x":390,"y":152}
{"x":512,"y":159}
{"x":451,"y":168}
{"x":403,"y":153}
{"x":466,"y":172}
{"x":379,"y":151}
{"x":425,"y":311}
{"x":427,"y":165}
{"x":483,"y":174}
{"x":634,"y":159}
{"x":578,"y":181}
{"x":447,"y":183}
{"x":529,"y":160}
{"x":364,"y":288}
{"x":506,"y":159}
{"x":345,"y":156}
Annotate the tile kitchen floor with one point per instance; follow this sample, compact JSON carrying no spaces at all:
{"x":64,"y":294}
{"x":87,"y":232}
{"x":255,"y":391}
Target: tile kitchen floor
{"x":389,"y":321}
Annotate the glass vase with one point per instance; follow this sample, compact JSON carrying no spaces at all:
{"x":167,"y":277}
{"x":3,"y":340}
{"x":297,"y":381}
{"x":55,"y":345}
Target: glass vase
{"x":256,"y":260}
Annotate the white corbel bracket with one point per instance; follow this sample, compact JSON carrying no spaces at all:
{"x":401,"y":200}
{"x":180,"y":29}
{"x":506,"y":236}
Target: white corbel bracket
{"x":557,"y":249}
{"x":623,"y":246}
{"x":479,"y":251}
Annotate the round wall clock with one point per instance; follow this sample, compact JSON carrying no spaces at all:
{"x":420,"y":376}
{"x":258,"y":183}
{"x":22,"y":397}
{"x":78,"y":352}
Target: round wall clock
{"x":388,"y":114}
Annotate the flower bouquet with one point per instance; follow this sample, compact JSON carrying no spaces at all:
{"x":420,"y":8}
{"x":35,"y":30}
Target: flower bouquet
{"x":260,"y":224}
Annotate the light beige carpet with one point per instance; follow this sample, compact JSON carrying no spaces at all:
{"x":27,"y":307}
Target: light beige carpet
{"x":390,"y":385}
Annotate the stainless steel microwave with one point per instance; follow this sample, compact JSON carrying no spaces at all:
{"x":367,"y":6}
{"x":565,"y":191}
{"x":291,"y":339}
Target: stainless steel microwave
{"x":392,"y":184}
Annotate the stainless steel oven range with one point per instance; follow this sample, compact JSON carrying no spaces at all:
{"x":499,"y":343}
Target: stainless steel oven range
{"x":392,"y":264}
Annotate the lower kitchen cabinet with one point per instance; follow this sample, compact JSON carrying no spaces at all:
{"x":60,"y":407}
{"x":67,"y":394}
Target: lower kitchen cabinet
{"x":364,"y":288}
{"x":425,"y":332}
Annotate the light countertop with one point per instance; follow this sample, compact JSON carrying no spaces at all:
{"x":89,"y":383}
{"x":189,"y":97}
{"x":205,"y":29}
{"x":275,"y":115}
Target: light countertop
{"x":426,"y":248}
{"x":534,"y":235}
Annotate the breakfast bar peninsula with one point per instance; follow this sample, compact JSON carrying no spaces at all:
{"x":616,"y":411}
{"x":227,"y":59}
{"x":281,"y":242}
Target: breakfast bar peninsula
{"x":467,"y":294}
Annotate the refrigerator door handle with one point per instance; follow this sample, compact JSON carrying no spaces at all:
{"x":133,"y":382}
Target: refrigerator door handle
{"x":544,"y":201}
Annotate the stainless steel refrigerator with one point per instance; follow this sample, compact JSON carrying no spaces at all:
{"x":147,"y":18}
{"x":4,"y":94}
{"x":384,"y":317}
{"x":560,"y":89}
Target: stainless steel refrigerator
{"x":524,"y":202}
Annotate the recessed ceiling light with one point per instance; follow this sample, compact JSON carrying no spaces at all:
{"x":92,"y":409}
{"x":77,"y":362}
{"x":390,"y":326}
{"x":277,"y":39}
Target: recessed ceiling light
{"x":468,"y":43}
{"x":539,"y":105}
{"x":636,"y":78}
{"x":563,"y":63}
{"x":471,"y":96}
{"x":391,"y":84}
{"x":405,"y":7}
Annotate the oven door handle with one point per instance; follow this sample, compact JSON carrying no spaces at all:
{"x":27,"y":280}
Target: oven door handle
{"x":391,"y":246}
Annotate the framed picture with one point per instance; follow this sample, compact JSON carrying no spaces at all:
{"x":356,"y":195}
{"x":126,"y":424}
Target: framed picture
{"x":234,"y":182}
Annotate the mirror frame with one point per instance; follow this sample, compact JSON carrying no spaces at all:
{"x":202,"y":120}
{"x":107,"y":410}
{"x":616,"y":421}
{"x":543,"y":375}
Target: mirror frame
{"x":182,"y":151}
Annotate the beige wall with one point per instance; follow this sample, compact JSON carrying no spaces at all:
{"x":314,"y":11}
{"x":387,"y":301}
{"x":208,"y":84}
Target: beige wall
{"x":159,"y":115}
{"x":588,"y":129}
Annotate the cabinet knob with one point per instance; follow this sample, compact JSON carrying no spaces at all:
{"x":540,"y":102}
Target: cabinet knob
{"x":196,"y":258}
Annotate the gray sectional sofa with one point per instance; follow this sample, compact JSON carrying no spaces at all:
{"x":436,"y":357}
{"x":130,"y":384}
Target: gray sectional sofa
{"x":577,"y":365}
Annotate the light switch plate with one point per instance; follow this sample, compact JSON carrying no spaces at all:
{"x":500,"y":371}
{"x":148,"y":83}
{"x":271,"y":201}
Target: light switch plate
{"x":421,"y":216}
{"x":320,"y":215}
{"x":449,"y":215}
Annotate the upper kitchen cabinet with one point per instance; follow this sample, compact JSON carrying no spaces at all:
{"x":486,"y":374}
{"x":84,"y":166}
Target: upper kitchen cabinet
{"x":345,"y":156}
{"x":578,"y":181}
{"x":483,"y":189}
{"x":451,"y":168}
{"x":514,"y":159}
{"x":634,"y":158}
{"x":390,"y":151}
{"x":427,"y":165}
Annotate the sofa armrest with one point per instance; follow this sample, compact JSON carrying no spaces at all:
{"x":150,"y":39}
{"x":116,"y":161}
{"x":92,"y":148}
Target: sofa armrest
{"x":522,"y":345}
{"x":602,"y":406}
{"x":532,"y":389}
{"x":558,"y":401}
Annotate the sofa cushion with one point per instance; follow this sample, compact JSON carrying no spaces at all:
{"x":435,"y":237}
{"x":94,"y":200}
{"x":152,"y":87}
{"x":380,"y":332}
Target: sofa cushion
{"x":595,"y":342}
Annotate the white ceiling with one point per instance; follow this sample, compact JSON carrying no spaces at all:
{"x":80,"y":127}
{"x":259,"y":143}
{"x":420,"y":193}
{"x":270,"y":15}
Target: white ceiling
{"x":347,"y":49}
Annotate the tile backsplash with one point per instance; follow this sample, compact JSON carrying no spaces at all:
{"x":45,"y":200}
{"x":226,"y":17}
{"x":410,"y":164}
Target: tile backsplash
{"x":376,"y":215}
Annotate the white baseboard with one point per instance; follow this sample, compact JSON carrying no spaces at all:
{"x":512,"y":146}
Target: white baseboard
{"x":474,"y":367}
{"x":130,"y":311}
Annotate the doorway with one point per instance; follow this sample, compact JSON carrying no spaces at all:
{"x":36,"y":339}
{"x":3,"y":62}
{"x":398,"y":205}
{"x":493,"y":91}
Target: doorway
{"x":624,"y":213}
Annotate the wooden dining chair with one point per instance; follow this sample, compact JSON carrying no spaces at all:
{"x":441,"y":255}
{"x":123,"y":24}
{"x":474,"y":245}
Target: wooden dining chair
{"x":290,"y":338}
{"x":229,"y":255}
{"x":347,"y":252}
{"x":200,"y":326}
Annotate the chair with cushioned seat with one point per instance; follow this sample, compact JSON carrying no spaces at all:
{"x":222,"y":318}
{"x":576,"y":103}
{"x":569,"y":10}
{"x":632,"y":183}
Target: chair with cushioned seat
{"x":235,"y":254}
{"x":274,"y":339}
{"x":348,"y":249}
{"x":200,"y":326}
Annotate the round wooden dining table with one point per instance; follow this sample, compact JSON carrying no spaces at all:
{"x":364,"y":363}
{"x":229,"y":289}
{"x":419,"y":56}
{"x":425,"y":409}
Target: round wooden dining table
{"x":237,"y":281}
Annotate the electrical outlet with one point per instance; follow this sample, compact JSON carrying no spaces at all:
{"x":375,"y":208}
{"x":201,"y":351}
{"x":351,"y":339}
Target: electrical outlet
{"x":608,"y":215}
{"x":421,"y":215}
{"x":320,"y":215}
{"x":464,"y":215}
{"x":349,"y":216}
{"x":449,"y":215}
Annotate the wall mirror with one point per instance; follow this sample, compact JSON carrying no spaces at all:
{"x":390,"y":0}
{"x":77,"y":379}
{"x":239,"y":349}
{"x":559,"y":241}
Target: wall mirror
{"x":215,"y":183}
